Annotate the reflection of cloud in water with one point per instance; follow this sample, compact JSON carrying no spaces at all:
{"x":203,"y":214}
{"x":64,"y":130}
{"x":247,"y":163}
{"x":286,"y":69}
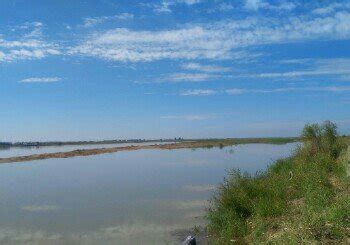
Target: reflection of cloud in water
{"x":133,"y":230}
{"x":39,"y":208}
{"x":199,"y":188}
{"x":190,"y":161}
{"x":139,"y":233}
{"x":9,"y":236}
{"x":196,"y":161}
{"x":184,"y":205}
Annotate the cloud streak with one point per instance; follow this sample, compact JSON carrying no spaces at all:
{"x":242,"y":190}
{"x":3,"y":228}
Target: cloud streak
{"x":205,"y":68}
{"x":92,"y":21}
{"x":240,"y":91}
{"x":260,"y":4}
{"x":227,"y":39}
{"x":166,"y":5}
{"x":41,"y":80}
{"x":198,"y":92}
{"x":190,"y":77}
{"x":220,"y":40}
{"x":236,"y":91}
{"x":315,"y":67}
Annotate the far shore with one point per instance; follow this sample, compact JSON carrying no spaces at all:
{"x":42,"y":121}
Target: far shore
{"x":171,"y":146}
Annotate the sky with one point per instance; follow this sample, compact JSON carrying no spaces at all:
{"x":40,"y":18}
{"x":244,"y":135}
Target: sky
{"x":108,"y":69}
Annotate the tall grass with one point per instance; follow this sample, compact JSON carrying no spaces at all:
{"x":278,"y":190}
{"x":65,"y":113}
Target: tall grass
{"x":300,"y":199}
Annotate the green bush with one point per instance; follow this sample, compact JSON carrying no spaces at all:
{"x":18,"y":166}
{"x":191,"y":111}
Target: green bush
{"x":322,"y":139}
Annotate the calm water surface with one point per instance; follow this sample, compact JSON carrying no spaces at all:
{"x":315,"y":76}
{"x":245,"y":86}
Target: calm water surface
{"x":137,"y":197}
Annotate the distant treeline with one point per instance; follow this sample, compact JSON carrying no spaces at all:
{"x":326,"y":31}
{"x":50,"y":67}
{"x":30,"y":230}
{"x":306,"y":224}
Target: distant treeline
{"x":210,"y":141}
{"x":93,"y":142}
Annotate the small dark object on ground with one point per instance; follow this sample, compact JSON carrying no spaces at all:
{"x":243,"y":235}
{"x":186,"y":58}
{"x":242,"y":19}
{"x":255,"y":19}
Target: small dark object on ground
{"x":190,"y":240}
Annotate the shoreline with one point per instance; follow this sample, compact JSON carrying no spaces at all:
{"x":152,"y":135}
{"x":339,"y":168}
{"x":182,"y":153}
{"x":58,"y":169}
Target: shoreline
{"x":171,"y":146}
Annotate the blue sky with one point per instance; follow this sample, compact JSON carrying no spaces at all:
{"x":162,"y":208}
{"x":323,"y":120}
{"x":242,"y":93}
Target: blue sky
{"x":192,"y":68}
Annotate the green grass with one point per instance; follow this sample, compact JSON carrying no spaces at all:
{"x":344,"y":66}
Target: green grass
{"x":234,"y":141}
{"x":300,"y":199}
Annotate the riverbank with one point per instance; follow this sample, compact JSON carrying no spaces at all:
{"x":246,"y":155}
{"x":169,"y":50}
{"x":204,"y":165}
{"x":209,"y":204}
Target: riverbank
{"x":302,"y":199}
{"x":181,"y":145}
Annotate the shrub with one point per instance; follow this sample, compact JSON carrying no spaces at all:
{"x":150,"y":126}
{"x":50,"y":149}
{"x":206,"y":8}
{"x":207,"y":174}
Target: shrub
{"x":298,"y":199}
{"x":322,"y":139}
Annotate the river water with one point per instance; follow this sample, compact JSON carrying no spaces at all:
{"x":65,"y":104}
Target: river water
{"x":136,"y":197}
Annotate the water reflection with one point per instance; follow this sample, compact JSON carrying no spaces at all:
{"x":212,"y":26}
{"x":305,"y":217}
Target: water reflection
{"x":139,"y":197}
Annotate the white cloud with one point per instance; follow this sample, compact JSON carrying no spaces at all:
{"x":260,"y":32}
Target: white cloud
{"x":253,"y":4}
{"x":41,"y":80}
{"x":332,"y":89}
{"x":125,"y":16}
{"x":331,"y":8}
{"x":190,"y":77}
{"x":315,"y":67}
{"x":225,"y":7}
{"x":261,"y":4}
{"x":135,"y":46}
{"x":182,"y":78}
{"x":284,"y":6}
{"x":27,"y":46}
{"x":239,"y":91}
{"x":34,"y":28}
{"x":14,"y":54}
{"x":221,"y":7}
{"x":2,"y":56}
{"x":236,"y":91}
{"x":220,"y":40}
{"x":189,"y":2}
{"x":211,"y":41}
{"x":92,"y":21}
{"x":302,"y":73}
{"x":165,"y":5}
{"x":198,"y":92}
{"x":204,"y":68}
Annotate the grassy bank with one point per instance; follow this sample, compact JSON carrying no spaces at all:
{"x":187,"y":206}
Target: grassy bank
{"x":209,"y":143}
{"x":301,"y":199}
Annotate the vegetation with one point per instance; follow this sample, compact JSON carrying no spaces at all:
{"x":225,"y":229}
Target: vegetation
{"x":208,"y":143}
{"x":300,"y":199}
{"x":221,"y":143}
{"x":267,"y":140}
